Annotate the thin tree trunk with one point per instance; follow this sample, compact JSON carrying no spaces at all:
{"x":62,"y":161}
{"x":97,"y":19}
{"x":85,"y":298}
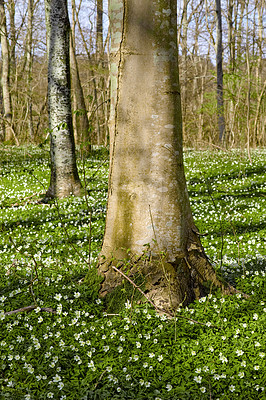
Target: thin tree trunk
{"x":231,"y":36}
{"x":240,"y":49}
{"x":5,"y":78}
{"x":29,"y":61}
{"x":258,"y":113}
{"x":82,"y":124}
{"x":2,"y":124}
{"x":64,"y":179}
{"x":219,"y":71}
{"x":101,"y":86}
{"x":260,"y":83}
{"x":185,"y":62}
{"x":94,"y":80}
{"x":248,"y":88}
{"x":99,"y":29}
{"x":12,"y":33}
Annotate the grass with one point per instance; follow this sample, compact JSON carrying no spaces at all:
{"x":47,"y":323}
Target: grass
{"x":213,"y":349}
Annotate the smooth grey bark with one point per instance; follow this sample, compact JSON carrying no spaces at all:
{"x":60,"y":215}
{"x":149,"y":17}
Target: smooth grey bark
{"x":219,"y":71}
{"x":12,"y":34}
{"x":99,"y":29}
{"x":28,"y":68}
{"x":184,"y":46}
{"x":148,"y":211}
{"x":5,"y":78}
{"x":64,"y":179}
{"x":231,"y":34}
{"x":94,"y":80}
{"x":82,"y":125}
{"x":2,"y":125}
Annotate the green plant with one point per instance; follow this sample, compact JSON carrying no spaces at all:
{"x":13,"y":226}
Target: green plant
{"x":68,"y":346}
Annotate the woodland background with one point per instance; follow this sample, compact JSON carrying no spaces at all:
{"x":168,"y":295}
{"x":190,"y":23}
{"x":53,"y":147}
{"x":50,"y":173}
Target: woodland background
{"x":24,"y":72}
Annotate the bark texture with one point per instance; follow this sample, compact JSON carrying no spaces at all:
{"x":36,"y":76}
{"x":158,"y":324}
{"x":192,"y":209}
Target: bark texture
{"x":149,"y":218}
{"x":99,"y":29}
{"x":29,"y":62}
{"x":80,"y":119}
{"x":219,"y":71}
{"x":64,"y":175}
{"x":5,"y":78}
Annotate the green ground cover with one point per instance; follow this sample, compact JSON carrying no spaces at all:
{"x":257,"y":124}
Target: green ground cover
{"x":213,"y":349}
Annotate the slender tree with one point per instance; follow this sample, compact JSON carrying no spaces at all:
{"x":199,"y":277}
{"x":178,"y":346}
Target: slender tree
{"x":5,"y":77}
{"x":81,"y":122}
{"x":219,"y":71}
{"x":12,"y":33}
{"x":64,"y":175}
{"x":28,"y":67}
{"x":148,"y":215}
{"x":99,"y":29}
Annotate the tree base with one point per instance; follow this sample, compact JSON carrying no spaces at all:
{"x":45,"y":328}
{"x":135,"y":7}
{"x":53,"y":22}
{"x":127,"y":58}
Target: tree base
{"x":64,"y":190}
{"x":166,"y":285}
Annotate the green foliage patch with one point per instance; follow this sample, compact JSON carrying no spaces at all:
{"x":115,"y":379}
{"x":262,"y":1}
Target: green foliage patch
{"x":71,"y":347}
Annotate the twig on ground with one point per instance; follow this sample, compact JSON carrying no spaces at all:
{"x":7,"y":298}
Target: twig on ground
{"x":30,"y":308}
{"x":97,"y":383}
{"x":26,"y":198}
{"x":137,"y":287}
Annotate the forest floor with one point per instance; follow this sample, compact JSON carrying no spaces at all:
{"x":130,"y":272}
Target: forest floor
{"x":67,"y":345}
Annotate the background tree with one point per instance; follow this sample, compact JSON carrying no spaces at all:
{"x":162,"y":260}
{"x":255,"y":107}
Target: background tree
{"x":99,"y":29}
{"x":5,"y":78}
{"x":243,"y":113}
{"x":64,"y":175}
{"x":28,"y":67}
{"x":81,"y":122}
{"x":148,"y":207}
{"x":219,"y":71}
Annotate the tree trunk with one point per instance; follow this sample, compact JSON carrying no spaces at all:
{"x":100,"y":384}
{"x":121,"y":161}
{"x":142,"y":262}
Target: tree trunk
{"x":12,"y":34}
{"x":148,"y":209}
{"x":5,"y":78}
{"x":99,"y":30}
{"x":231,"y":35}
{"x":94,"y":81}
{"x":184,"y":36}
{"x":219,"y":70}
{"x":240,"y":15}
{"x":29,"y":61}
{"x":64,"y":179}
{"x":82,"y":124}
{"x":2,"y":125}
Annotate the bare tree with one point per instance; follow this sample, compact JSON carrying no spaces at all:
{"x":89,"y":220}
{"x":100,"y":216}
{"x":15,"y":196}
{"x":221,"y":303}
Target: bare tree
{"x":80,"y":118}
{"x":219,"y":71}
{"x":99,"y":29}
{"x":28,"y":68}
{"x":5,"y":78}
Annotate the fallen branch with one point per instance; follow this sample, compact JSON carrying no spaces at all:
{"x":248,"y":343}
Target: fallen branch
{"x":23,"y":199}
{"x":30,"y":308}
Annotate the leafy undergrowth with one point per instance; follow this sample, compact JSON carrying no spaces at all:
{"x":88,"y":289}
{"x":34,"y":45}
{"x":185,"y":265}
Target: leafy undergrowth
{"x":68,"y":347}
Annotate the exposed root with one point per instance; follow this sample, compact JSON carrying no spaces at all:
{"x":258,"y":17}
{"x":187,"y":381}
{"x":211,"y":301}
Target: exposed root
{"x":168,"y":285}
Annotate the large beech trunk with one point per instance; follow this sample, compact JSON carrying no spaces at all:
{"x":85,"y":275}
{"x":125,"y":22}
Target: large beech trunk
{"x":64,"y":175}
{"x":148,"y":206}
